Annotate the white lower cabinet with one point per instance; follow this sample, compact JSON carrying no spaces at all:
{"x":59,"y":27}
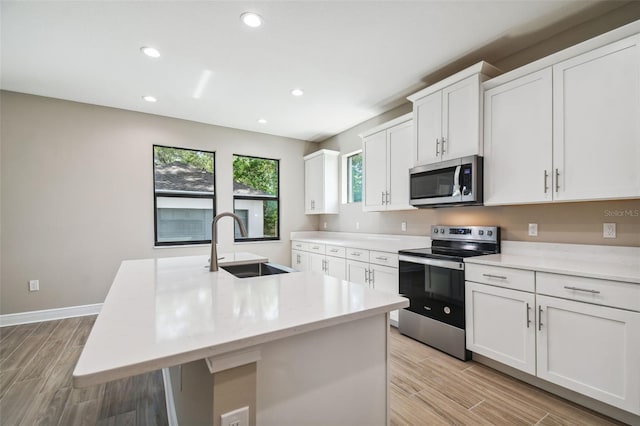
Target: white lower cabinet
{"x":328,"y":265}
{"x":586,"y":347}
{"x":376,"y":277}
{"x":500,"y":325}
{"x":300,"y":260}
{"x":591,"y":349}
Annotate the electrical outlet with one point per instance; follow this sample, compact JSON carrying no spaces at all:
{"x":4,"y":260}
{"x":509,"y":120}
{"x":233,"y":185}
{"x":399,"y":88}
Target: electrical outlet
{"x":239,"y":417}
{"x":533,"y":229}
{"x":34,"y":285}
{"x":608,"y":230}
{"x":357,"y":225}
{"x":403,"y":226}
{"x":324,"y":225}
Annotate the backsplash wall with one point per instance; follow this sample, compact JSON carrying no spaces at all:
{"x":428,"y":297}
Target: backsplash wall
{"x":575,"y":223}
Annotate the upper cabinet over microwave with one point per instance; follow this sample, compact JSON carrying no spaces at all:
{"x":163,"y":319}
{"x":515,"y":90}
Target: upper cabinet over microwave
{"x":447,"y":116}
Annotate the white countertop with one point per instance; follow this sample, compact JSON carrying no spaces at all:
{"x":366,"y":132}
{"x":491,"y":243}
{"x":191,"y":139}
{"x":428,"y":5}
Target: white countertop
{"x":169,"y":311}
{"x":607,"y":270}
{"x":389,"y":243}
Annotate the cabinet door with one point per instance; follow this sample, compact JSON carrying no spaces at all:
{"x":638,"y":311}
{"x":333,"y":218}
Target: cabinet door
{"x":314,"y":184}
{"x":299,"y":260}
{"x":461,"y":119}
{"x":358,"y":272}
{"x":385,"y":279}
{"x":399,"y":162}
{"x":518,"y":140}
{"x":427,"y":119}
{"x":500,"y":324}
{"x":374,"y":151}
{"x":597,"y":123}
{"x":593,"y":350}
{"x":336,"y":267}
{"x":316,"y":263}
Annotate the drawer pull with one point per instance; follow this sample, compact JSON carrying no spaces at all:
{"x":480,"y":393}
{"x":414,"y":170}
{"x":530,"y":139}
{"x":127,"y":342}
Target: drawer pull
{"x":333,"y":250}
{"x":315,"y":248}
{"x":528,"y":319}
{"x":494,"y":276}
{"x":582,"y":289}
{"x":382,"y":258}
{"x":355,"y":254}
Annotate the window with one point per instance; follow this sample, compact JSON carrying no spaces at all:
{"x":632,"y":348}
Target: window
{"x":352,"y":177}
{"x":184,"y":195}
{"x":256,"y":201}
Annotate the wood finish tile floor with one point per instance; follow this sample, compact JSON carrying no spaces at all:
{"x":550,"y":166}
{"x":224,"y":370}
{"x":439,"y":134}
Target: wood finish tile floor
{"x":427,"y":387}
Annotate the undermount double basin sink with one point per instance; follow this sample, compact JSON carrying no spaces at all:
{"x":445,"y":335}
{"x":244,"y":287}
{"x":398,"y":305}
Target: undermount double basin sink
{"x":257,"y":269}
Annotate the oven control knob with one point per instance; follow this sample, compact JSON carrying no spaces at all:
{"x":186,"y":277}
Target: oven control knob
{"x":489,"y":233}
{"x":442,"y":230}
{"x":447,"y":310}
{"x":435,"y":230}
{"x":481,"y":232}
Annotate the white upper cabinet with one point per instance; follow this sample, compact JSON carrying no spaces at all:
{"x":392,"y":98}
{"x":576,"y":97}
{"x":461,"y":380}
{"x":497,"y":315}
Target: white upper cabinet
{"x":386,"y":152}
{"x":518,"y":140}
{"x":321,"y":182}
{"x":447,"y":116}
{"x":596,"y":107}
{"x":567,"y":132}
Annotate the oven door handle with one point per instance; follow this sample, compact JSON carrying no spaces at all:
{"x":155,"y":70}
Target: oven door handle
{"x":449,"y":264}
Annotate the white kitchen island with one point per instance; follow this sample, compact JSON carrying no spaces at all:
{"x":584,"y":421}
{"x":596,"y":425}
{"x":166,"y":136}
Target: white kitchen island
{"x":297,"y":348}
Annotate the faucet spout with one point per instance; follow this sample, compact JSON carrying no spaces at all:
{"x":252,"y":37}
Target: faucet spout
{"x":213,"y":262}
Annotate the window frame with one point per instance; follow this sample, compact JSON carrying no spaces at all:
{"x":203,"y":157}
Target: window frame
{"x":179,"y":194}
{"x":346,"y":172}
{"x":275,"y":198}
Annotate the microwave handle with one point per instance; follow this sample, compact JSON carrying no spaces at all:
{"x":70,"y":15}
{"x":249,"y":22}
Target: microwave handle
{"x":456,"y":182}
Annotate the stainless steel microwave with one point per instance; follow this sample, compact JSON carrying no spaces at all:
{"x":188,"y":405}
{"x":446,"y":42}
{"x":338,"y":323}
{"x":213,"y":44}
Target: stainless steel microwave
{"x":447,"y":183}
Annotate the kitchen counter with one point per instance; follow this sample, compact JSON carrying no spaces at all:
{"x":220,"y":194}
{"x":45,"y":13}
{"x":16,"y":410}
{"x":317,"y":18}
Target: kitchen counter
{"x":553,"y":262}
{"x":389,"y":243}
{"x":170,"y":311}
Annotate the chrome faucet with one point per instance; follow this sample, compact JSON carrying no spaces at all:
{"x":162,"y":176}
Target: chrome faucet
{"x":213,"y":262}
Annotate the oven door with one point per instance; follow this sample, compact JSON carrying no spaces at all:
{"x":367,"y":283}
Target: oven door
{"x":434,"y":287}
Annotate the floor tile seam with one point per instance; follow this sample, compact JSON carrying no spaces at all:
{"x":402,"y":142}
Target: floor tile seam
{"x":543,"y":417}
{"x":512,"y":413}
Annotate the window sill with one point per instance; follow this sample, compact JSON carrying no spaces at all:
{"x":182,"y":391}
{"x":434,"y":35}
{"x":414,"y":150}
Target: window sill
{"x":257,"y":242}
{"x":182,"y":246}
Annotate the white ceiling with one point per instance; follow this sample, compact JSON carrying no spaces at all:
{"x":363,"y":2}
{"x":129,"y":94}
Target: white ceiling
{"x":353,"y":59}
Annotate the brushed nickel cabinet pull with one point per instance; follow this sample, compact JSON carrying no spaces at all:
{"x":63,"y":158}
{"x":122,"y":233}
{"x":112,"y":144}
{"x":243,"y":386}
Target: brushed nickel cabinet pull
{"x":539,"y":317}
{"x":387,"y":197}
{"x":557,"y":180}
{"x":546,"y":177}
{"x":382,"y":258}
{"x":437,"y":146}
{"x":582,"y":289}
{"x":528,"y":319}
{"x":494,"y":276}
{"x":355,"y":253}
{"x":442,"y":148}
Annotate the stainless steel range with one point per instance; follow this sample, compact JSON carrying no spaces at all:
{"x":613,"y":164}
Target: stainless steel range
{"x":433,"y":281}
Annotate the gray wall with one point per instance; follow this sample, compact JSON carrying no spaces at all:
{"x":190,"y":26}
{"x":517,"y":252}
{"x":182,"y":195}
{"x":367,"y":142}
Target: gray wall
{"x":77,"y":195}
{"x":579,"y":223}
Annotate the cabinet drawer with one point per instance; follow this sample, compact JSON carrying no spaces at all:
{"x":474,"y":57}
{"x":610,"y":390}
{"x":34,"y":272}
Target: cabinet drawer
{"x":384,"y":258}
{"x":358,"y":254}
{"x":300,"y":245}
{"x":516,"y":279}
{"x":600,"y":292}
{"x":335,"y":251}
{"x":317,"y":248}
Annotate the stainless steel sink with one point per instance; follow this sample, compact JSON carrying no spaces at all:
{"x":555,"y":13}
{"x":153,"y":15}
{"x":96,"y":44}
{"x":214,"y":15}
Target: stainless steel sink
{"x":257,"y":270}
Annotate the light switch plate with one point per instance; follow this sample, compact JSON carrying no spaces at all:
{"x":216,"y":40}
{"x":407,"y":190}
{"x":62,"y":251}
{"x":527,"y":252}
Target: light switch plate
{"x":533,"y":229}
{"x":403,"y":226}
{"x":34,"y":285}
{"x":608,"y":230}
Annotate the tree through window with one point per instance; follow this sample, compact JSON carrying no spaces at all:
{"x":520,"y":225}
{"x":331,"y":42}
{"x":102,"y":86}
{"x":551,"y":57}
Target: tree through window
{"x":256,"y":200}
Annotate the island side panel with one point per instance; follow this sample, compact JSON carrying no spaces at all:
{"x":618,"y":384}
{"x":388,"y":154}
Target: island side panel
{"x":336,"y":375}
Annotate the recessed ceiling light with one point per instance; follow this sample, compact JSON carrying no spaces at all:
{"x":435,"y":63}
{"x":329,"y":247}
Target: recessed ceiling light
{"x":251,"y":19}
{"x":149,"y":98}
{"x":150,"y":52}
{"x":297,"y":92}
{"x":262,"y":121}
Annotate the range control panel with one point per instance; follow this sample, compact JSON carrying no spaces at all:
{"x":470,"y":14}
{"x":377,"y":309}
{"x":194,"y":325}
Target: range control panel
{"x":465,"y":233}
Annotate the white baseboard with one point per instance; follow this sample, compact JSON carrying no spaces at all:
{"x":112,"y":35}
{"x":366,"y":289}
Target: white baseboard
{"x":49,"y":314}
{"x":172,"y":417}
